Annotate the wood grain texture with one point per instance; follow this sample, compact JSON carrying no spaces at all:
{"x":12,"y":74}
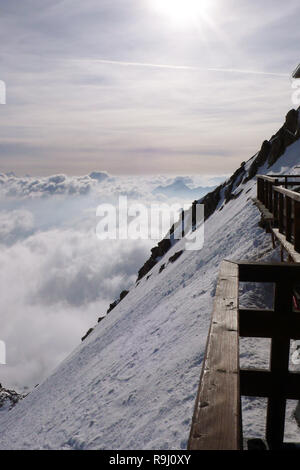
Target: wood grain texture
{"x":217,"y":422}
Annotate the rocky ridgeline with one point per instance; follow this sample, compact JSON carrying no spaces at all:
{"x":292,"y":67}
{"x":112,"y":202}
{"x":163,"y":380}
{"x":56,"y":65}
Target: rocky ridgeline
{"x":271,"y":150}
{"x":8,"y":399}
{"x":110,"y":308}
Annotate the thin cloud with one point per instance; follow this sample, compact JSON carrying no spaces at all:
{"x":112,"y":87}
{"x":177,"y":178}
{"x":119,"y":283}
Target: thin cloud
{"x":187,"y":67}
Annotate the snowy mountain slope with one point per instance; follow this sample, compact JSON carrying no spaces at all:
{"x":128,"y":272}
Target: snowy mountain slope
{"x":132,"y":383}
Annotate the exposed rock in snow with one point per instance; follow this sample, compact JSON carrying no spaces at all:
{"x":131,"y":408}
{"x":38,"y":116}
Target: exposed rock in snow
{"x":156,"y":253}
{"x":8,"y":399}
{"x":89,"y":331}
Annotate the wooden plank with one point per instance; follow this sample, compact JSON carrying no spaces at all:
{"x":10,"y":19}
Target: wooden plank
{"x":270,"y":193}
{"x":289,"y":247}
{"x":258,"y":383}
{"x":288,"y":219}
{"x":254,"y":323}
{"x":287,"y":192}
{"x":216,"y":422}
{"x":268,"y":272}
{"x":281,"y":213}
{"x":297,"y":226}
{"x":275,"y":209}
{"x":266,"y":178}
{"x":284,"y":176}
{"x":255,"y":383}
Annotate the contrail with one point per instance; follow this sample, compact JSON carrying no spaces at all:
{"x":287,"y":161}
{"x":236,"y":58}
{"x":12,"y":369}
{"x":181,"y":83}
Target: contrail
{"x":187,"y":67}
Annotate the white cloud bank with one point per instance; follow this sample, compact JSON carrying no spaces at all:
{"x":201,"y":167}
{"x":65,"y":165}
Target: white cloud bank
{"x":56,"y":277}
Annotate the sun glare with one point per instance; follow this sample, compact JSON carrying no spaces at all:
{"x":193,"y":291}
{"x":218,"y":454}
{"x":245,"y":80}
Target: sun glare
{"x":183,"y":11}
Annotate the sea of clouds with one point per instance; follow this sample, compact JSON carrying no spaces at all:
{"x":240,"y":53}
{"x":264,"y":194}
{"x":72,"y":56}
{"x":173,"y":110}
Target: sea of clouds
{"x":56,"y":276}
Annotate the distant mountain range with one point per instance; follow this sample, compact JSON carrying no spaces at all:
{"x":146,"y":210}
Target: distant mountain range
{"x":179,"y":188}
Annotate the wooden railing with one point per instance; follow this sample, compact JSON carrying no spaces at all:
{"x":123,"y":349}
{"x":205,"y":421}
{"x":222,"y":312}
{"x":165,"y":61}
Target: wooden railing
{"x":217,"y":421}
{"x":283,"y":204}
{"x":286,"y":210}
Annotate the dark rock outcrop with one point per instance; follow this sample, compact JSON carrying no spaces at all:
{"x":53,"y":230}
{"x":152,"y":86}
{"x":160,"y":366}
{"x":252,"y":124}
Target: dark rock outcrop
{"x":211,"y":201}
{"x":156,"y":253}
{"x":235,"y":180}
{"x":87,"y":334}
{"x":123,"y":294}
{"x":273,"y":149}
{"x":9,"y":398}
{"x":260,"y":159}
{"x":112,"y":306}
{"x":176,"y":255}
{"x":162,"y":268}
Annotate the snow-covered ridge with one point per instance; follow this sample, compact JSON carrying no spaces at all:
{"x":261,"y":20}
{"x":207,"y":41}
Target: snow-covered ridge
{"x":232,"y":188}
{"x":132,"y":383}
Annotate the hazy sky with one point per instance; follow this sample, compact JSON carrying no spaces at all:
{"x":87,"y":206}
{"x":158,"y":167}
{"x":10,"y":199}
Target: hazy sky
{"x":84,"y":92}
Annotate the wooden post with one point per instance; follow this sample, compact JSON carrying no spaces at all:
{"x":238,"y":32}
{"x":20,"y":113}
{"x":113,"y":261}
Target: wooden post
{"x":258,"y":189}
{"x":297,"y":226}
{"x":280,"y":214}
{"x":264,"y":192}
{"x":288,"y":219}
{"x":275,"y":209}
{"x":279,"y":363}
{"x":270,"y":196}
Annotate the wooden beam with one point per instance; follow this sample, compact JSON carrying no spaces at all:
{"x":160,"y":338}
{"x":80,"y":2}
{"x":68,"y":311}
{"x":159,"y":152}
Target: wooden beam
{"x":258,"y":383}
{"x":287,"y":192}
{"x":216,"y":422}
{"x":268,"y":272}
{"x":281,"y":213}
{"x":279,"y":364}
{"x":283,"y":176}
{"x":266,"y":178}
{"x":288,"y":219}
{"x":255,"y":383}
{"x":297,"y":225}
{"x":256,"y":323}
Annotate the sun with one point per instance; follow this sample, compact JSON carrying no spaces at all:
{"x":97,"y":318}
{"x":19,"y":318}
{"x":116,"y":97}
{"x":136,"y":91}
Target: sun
{"x":183,"y":11}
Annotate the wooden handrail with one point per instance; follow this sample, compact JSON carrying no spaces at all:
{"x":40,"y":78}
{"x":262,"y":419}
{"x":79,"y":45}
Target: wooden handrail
{"x":283,"y":204}
{"x":216,"y":422}
{"x":287,"y":192}
{"x":277,"y":176}
{"x":266,"y":178}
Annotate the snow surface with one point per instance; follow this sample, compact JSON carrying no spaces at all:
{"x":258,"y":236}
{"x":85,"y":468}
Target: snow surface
{"x":132,"y":383}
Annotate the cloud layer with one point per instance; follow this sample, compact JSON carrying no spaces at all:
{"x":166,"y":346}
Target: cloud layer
{"x":56,"y":277}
